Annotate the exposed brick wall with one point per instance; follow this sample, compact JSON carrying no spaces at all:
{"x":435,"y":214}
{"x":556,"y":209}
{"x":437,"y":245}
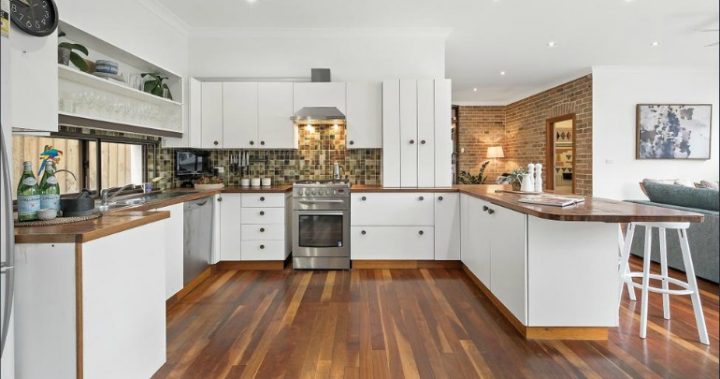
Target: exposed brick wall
{"x":521,"y":126}
{"x":480,"y":128}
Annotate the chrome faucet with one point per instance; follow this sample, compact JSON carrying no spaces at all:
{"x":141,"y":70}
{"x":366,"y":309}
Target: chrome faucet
{"x":105,"y":199}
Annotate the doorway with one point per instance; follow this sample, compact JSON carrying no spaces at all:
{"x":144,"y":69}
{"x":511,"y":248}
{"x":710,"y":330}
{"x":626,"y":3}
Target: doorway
{"x":560,"y":166}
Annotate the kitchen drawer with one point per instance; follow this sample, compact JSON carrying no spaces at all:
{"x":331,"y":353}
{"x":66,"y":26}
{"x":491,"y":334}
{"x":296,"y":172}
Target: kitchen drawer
{"x":392,"y":242}
{"x":263,"y":232}
{"x":263,"y":250}
{"x":395,"y":209}
{"x":263,"y":200}
{"x":258,"y":216}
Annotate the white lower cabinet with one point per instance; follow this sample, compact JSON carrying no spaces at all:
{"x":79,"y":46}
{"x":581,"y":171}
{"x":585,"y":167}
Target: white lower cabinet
{"x":253,"y":227}
{"x":392,"y":209}
{"x":447,"y":226}
{"x":392,"y":242}
{"x":173,"y":249}
{"x":494,"y":248}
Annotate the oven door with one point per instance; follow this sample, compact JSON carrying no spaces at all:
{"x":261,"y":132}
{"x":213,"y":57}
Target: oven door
{"x":321,"y":234}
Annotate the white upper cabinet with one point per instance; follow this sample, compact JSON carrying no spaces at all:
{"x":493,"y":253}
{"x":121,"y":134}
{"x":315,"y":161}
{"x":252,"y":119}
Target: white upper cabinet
{"x":408,"y":133}
{"x":364,"y":115}
{"x":33,"y":81}
{"x":443,"y":133}
{"x":193,"y":133}
{"x":240,"y":114}
{"x":276,"y":129}
{"x":329,"y":94}
{"x":391,"y":133}
{"x":211,"y":115}
{"x":426,"y":133}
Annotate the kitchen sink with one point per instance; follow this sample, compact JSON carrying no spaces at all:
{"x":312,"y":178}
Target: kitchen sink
{"x":135,"y":200}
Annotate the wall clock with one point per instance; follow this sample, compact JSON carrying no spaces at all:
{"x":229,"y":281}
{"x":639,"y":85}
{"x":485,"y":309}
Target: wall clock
{"x":34,"y":17}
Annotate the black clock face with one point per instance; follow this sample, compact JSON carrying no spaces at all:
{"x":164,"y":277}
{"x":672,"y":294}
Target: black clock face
{"x":36,"y":17}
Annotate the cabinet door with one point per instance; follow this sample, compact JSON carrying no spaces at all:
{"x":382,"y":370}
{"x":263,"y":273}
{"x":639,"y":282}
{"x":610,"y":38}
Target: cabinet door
{"x":392,"y":242}
{"x":230,"y":227}
{"x":392,"y":209}
{"x":173,"y":250}
{"x":391,"y":133}
{"x":194,"y":132}
{"x":364,"y":115}
{"x":509,"y":260}
{"x":276,"y":129}
{"x":212,"y":115}
{"x":475,"y":236}
{"x":33,"y":77}
{"x":443,"y":133}
{"x":426,"y":133}
{"x":447,"y":226}
{"x":330,"y":94}
{"x":240,"y":114}
{"x":408,"y":133}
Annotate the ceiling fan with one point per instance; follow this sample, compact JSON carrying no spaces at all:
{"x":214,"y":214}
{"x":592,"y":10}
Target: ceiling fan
{"x":714,"y":31}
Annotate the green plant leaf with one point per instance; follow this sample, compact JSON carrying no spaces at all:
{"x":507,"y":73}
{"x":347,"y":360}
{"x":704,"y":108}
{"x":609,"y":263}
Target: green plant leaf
{"x":74,"y":46}
{"x":165,"y":87}
{"x":78,"y":61}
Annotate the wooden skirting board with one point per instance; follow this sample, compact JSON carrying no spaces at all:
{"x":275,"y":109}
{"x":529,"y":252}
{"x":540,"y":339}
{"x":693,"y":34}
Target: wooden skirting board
{"x":190,"y":286}
{"x":403,"y":264}
{"x":250,"y":265}
{"x":540,"y":333}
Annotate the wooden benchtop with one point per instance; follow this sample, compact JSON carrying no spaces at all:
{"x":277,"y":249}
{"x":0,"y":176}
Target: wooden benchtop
{"x":84,"y":231}
{"x":593,"y":209}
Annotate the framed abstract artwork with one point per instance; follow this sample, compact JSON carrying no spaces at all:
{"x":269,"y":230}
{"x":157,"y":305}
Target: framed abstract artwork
{"x":673,"y":131}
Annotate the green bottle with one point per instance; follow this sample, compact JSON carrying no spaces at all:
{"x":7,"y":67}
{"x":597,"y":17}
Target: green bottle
{"x":28,"y":196}
{"x":49,"y":188}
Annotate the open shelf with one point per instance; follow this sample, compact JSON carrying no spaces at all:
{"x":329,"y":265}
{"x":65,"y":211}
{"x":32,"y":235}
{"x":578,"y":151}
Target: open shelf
{"x":108,"y":86}
{"x":73,"y":119}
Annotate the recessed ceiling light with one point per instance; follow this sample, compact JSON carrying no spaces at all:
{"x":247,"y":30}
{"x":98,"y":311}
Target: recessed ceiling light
{"x":502,"y":73}
{"x":474,"y":89}
{"x":655,"y":44}
{"x":551,"y":44}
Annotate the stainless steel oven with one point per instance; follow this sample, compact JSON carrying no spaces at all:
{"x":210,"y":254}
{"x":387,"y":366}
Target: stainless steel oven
{"x":321,"y":225}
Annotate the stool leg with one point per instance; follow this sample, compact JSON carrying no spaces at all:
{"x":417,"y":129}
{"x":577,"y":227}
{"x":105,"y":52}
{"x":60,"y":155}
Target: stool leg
{"x":645,"y":282}
{"x":692,"y":283}
{"x":664,"y":272}
{"x":624,"y":259}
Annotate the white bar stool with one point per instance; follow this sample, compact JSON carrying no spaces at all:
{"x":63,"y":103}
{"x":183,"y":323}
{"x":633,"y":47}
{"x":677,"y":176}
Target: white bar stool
{"x":621,"y":244}
{"x":689,"y":288}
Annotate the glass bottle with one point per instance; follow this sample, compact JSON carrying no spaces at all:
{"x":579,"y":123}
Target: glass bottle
{"x":28,"y":196}
{"x":49,"y":188}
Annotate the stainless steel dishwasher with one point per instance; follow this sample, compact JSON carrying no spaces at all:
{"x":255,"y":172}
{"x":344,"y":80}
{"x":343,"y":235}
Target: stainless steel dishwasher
{"x":197,"y":237}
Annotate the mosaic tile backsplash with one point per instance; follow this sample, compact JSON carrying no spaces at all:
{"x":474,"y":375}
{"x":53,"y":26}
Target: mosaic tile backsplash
{"x":317,"y":151}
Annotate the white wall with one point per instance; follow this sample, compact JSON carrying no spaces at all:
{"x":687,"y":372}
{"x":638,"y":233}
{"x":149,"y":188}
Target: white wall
{"x":616,"y":92}
{"x":290,"y":53}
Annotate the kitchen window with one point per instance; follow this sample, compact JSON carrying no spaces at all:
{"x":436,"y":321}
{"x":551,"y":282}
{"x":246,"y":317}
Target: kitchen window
{"x":97,"y":162}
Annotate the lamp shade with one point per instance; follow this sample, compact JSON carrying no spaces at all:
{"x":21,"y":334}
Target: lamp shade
{"x":495,"y":152}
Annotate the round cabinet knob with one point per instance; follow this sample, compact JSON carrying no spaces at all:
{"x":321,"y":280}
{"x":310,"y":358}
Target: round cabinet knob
{"x":363,"y":198}
{"x":262,"y":198}
{"x":440,"y":198}
{"x":421,"y":198}
{"x":219,"y":199}
{"x":262,"y":230}
{"x":262,"y":247}
{"x":421,"y":232}
{"x":491,"y":211}
{"x":363,"y":232}
{"x":216,"y":143}
{"x":485,"y":208}
{"x":412,"y":141}
{"x":252,"y":143}
{"x":262,"y":143}
{"x":262,"y":213}
{"x":422,"y":142}
{"x":351,"y":142}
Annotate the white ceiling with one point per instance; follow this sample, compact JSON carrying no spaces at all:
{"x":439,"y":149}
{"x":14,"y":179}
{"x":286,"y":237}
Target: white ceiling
{"x":490,"y":36}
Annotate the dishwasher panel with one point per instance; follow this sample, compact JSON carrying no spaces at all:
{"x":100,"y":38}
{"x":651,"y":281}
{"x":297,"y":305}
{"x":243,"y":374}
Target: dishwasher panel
{"x":197,"y":237}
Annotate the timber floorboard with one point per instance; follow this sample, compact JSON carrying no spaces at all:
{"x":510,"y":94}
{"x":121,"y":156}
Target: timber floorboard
{"x":409,"y":323}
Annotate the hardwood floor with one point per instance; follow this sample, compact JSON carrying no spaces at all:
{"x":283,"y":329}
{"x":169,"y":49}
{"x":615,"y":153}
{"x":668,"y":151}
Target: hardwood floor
{"x":427,"y":323}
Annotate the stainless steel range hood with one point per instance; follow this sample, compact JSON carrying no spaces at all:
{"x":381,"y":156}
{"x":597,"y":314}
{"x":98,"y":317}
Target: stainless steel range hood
{"x":319,"y":115}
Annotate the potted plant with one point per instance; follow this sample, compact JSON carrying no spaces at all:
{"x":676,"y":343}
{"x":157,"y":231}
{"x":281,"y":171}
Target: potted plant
{"x":468,"y":178}
{"x":515,"y":178}
{"x":156,"y":85}
{"x":67,"y":52}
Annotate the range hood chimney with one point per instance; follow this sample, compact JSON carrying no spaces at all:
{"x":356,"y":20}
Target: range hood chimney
{"x":319,"y":115}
